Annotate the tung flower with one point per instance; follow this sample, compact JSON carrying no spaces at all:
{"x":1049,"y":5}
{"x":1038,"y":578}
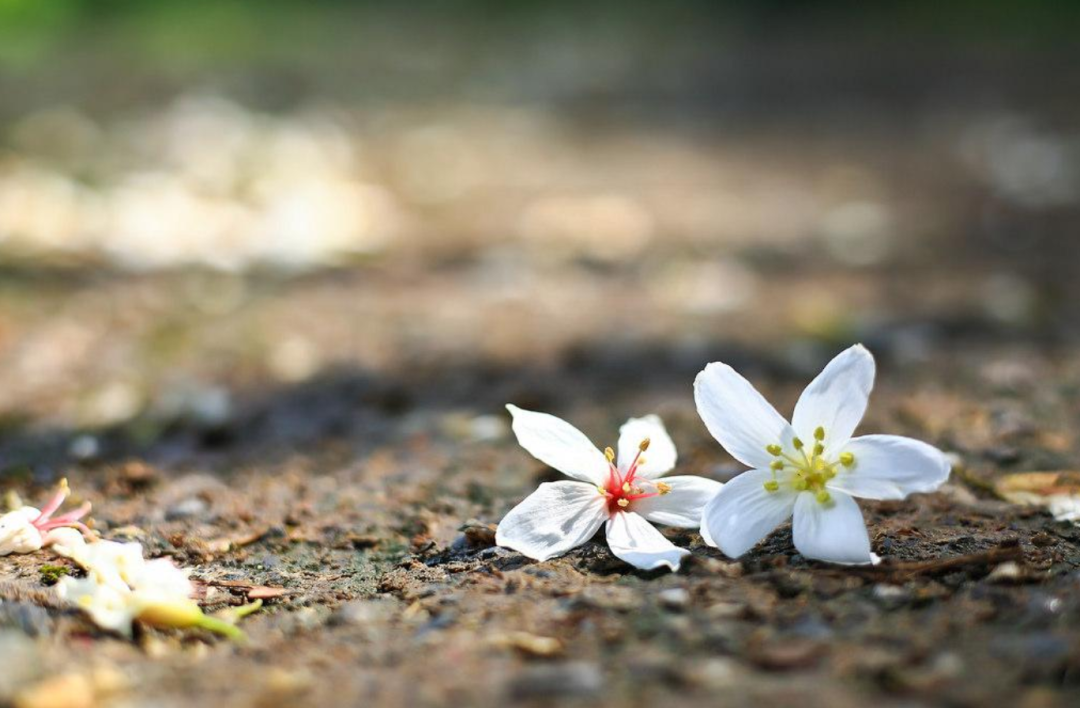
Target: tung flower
{"x":811,"y":468}
{"x":619,"y":491}
{"x":28,"y":529}
{"x":121,"y":587}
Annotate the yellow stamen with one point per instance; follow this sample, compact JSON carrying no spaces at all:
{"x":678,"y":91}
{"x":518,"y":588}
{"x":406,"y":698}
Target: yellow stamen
{"x":797,"y":444}
{"x":626,"y":487}
{"x":663,"y":488}
{"x":799,"y":484}
{"x":603,"y":492}
{"x":609,"y":454}
{"x":623,"y":503}
{"x":644,"y":445}
{"x":774,"y":450}
{"x":824,"y":497}
{"x":819,"y":449}
{"x":777,"y":465}
{"x":772,"y":485}
{"x":847,"y":459}
{"x":640,"y":461}
{"x":819,"y":434}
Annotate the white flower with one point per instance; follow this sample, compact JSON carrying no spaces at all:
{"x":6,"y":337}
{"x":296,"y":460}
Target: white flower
{"x":28,"y":529}
{"x":811,"y":468}
{"x":121,"y":586}
{"x":620,"y":491}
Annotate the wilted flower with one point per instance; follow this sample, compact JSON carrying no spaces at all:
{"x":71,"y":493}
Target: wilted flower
{"x":621,"y":492}
{"x":810,"y":469}
{"x":28,"y":529}
{"x":121,"y":587}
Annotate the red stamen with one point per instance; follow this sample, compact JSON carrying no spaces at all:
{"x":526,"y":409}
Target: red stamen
{"x":53,"y":504}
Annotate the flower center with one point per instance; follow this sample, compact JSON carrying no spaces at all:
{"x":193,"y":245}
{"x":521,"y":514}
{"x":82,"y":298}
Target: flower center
{"x":806,"y":471}
{"x":623,"y":487}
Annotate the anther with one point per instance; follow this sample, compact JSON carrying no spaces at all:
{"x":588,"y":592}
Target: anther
{"x":797,"y":444}
{"x":644,"y":445}
{"x":609,"y":454}
{"x":823,"y":497}
{"x":603,"y":492}
{"x":663,"y":488}
{"x":774,"y":450}
{"x":847,"y":459}
{"x":777,"y":465}
{"x":623,"y":503}
{"x":626,"y":487}
{"x":819,"y":449}
{"x":819,"y":433}
{"x":772,"y":485}
{"x":640,"y":461}
{"x":799,"y":484}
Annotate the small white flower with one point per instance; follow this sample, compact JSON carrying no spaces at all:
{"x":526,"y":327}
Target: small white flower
{"x":121,"y":586}
{"x":28,"y":529}
{"x":810,"y":469}
{"x":620,"y":491}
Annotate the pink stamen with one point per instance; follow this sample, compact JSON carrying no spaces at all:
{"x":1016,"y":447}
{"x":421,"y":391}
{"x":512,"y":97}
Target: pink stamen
{"x":53,"y":504}
{"x":44,"y":523}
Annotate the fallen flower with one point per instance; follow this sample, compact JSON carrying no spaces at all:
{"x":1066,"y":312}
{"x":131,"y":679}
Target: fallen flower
{"x":28,"y":529}
{"x":121,"y":587}
{"x":621,"y":492}
{"x":1058,"y":492}
{"x":810,"y":469}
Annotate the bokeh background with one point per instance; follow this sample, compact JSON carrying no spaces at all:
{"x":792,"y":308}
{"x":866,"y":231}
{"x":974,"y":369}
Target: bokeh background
{"x":207,"y":198}
{"x":289,"y":259}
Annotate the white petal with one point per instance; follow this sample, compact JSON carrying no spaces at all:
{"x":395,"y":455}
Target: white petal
{"x":558,"y":444}
{"x":107,"y":606}
{"x":636,"y":541}
{"x":555,"y":518}
{"x":744,"y":512}
{"x":659,"y":458}
{"x":836,"y":400}
{"x":834,"y":531}
{"x":683,"y":505}
{"x":737,"y":415}
{"x":891,"y":467}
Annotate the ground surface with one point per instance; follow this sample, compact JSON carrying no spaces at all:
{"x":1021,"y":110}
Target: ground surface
{"x":337,"y":429}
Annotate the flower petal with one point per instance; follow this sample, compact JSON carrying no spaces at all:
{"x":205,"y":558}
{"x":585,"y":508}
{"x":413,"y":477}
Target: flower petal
{"x":659,"y":458}
{"x":891,"y":467}
{"x":836,"y":400}
{"x":743,"y":513}
{"x":737,"y":415}
{"x":834,"y":531}
{"x":555,"y":518}
{"x":637,"y":542}
{"x":558,"y":444}
{"x":682,"y":506}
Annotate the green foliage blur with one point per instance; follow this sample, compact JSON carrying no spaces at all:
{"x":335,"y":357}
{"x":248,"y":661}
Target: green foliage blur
{"x":192,"y":33}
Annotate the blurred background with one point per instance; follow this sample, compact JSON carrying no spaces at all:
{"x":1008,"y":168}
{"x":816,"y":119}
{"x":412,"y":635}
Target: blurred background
{"x":227,"y":221}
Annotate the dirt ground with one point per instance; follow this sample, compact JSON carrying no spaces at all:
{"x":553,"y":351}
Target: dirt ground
{"x":338,"y":431}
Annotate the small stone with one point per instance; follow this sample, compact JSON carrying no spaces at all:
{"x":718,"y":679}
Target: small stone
{"x":530,"y":644}
{"x":1008,"y":572}
{"x":570,"y":679}
{"x":186,"y":509}
{"x":63,"y":691}
{"x":674,"y":598}
{"x":716,"y":673}
{"x":22,"y":662}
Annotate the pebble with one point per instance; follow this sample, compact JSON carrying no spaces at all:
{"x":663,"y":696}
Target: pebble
{"x":32,"y":620}
{"x":569,"y":679}
{"x":22,"y":663}
{"x":674,"y":598}
{"x":186,"y":509}
{"x":63,"y":691}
